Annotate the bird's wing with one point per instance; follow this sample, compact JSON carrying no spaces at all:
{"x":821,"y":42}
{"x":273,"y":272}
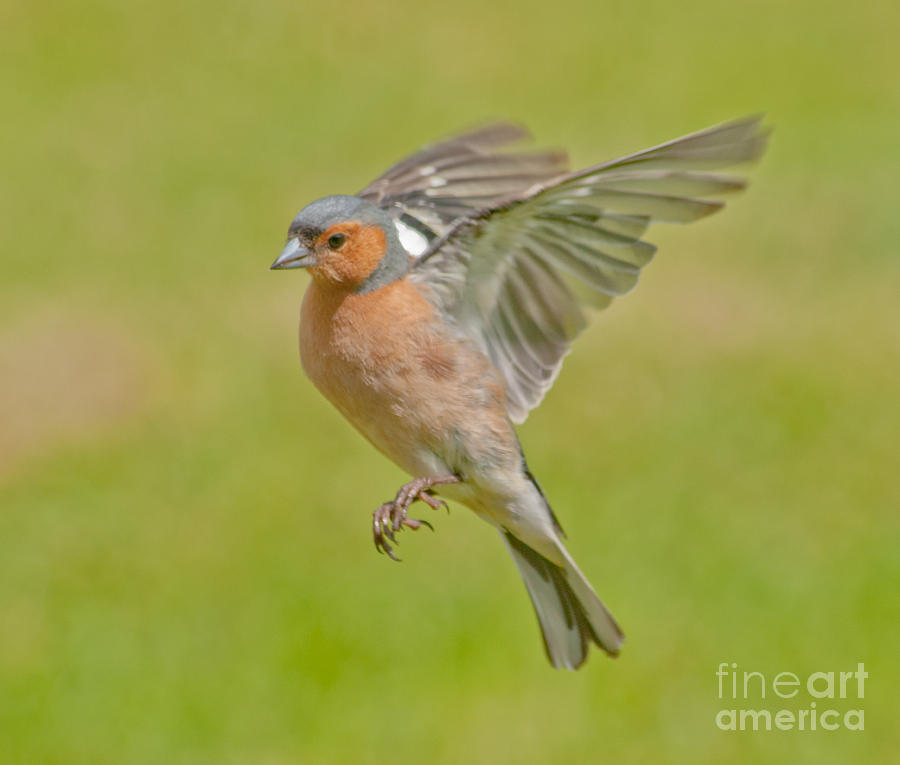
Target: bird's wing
{"x":516,"y":276}
{"x":456,"y":178}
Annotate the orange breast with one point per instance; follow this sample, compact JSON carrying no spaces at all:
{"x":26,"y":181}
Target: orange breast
{"x":391,"y":367}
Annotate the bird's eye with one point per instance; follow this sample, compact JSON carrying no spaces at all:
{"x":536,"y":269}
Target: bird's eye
{"x":336,"y":241}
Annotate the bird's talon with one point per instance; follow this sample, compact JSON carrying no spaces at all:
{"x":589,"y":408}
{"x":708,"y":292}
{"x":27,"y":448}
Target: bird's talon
{"x":391,"y":517}
{"x":433,"y":502}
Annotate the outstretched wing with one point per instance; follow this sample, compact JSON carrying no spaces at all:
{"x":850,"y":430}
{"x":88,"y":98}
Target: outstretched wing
{"x":515,"y":277}
{"x":456,"y":178}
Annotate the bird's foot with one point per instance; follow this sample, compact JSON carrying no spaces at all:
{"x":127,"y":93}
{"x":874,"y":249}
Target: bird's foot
{"x":392,"y":516}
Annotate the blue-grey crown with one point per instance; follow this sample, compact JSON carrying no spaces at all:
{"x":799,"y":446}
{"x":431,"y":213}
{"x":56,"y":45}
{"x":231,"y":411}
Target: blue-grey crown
{"x":320,"y":215}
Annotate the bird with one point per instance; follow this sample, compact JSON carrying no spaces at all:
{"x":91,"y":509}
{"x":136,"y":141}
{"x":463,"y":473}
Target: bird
{"x":444,"y":297}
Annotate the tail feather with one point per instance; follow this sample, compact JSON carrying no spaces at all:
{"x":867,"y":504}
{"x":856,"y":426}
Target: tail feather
{"x":570,"y":614}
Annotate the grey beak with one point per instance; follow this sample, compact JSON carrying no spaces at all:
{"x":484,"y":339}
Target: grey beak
{"x":294,"y":255}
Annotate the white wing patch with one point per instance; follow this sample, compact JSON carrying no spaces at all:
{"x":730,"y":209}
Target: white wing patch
{"x":413,"y":242}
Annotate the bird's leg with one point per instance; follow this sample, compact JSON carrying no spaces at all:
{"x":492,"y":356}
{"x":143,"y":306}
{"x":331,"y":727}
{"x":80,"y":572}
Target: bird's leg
{"x":391,"y":516}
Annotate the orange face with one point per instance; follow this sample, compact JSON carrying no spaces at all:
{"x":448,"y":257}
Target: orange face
{"x":347,"y":253}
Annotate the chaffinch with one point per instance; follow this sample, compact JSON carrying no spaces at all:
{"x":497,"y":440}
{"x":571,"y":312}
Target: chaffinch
{"x":443,"y":299}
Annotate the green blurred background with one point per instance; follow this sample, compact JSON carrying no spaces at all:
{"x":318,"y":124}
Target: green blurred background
{"x":186,"y":566}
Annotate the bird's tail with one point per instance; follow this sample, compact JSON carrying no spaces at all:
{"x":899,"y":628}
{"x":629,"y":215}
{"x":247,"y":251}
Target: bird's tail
{"x":570,"y":613}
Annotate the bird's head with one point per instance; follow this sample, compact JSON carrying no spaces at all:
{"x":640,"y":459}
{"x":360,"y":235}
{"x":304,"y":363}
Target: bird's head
{"x":347,"y":242}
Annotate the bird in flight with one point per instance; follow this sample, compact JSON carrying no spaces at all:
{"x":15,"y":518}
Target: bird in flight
{"x":444,"y":297}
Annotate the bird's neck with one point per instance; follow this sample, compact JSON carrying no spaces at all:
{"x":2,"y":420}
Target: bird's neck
{"x":393,"y":266}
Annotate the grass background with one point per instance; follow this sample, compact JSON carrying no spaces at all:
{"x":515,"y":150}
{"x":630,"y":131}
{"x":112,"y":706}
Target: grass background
{"x":186,"y":570}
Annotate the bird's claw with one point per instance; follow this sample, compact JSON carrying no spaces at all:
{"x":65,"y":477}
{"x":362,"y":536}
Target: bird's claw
{"x":391,"y":517}
{"x":433,"y":502}
{"x":385,"y":521}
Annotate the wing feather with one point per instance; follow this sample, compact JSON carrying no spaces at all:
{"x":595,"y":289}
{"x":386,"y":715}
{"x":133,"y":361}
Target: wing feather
{"x":514,"y":267}
{"x":456,"y":178}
